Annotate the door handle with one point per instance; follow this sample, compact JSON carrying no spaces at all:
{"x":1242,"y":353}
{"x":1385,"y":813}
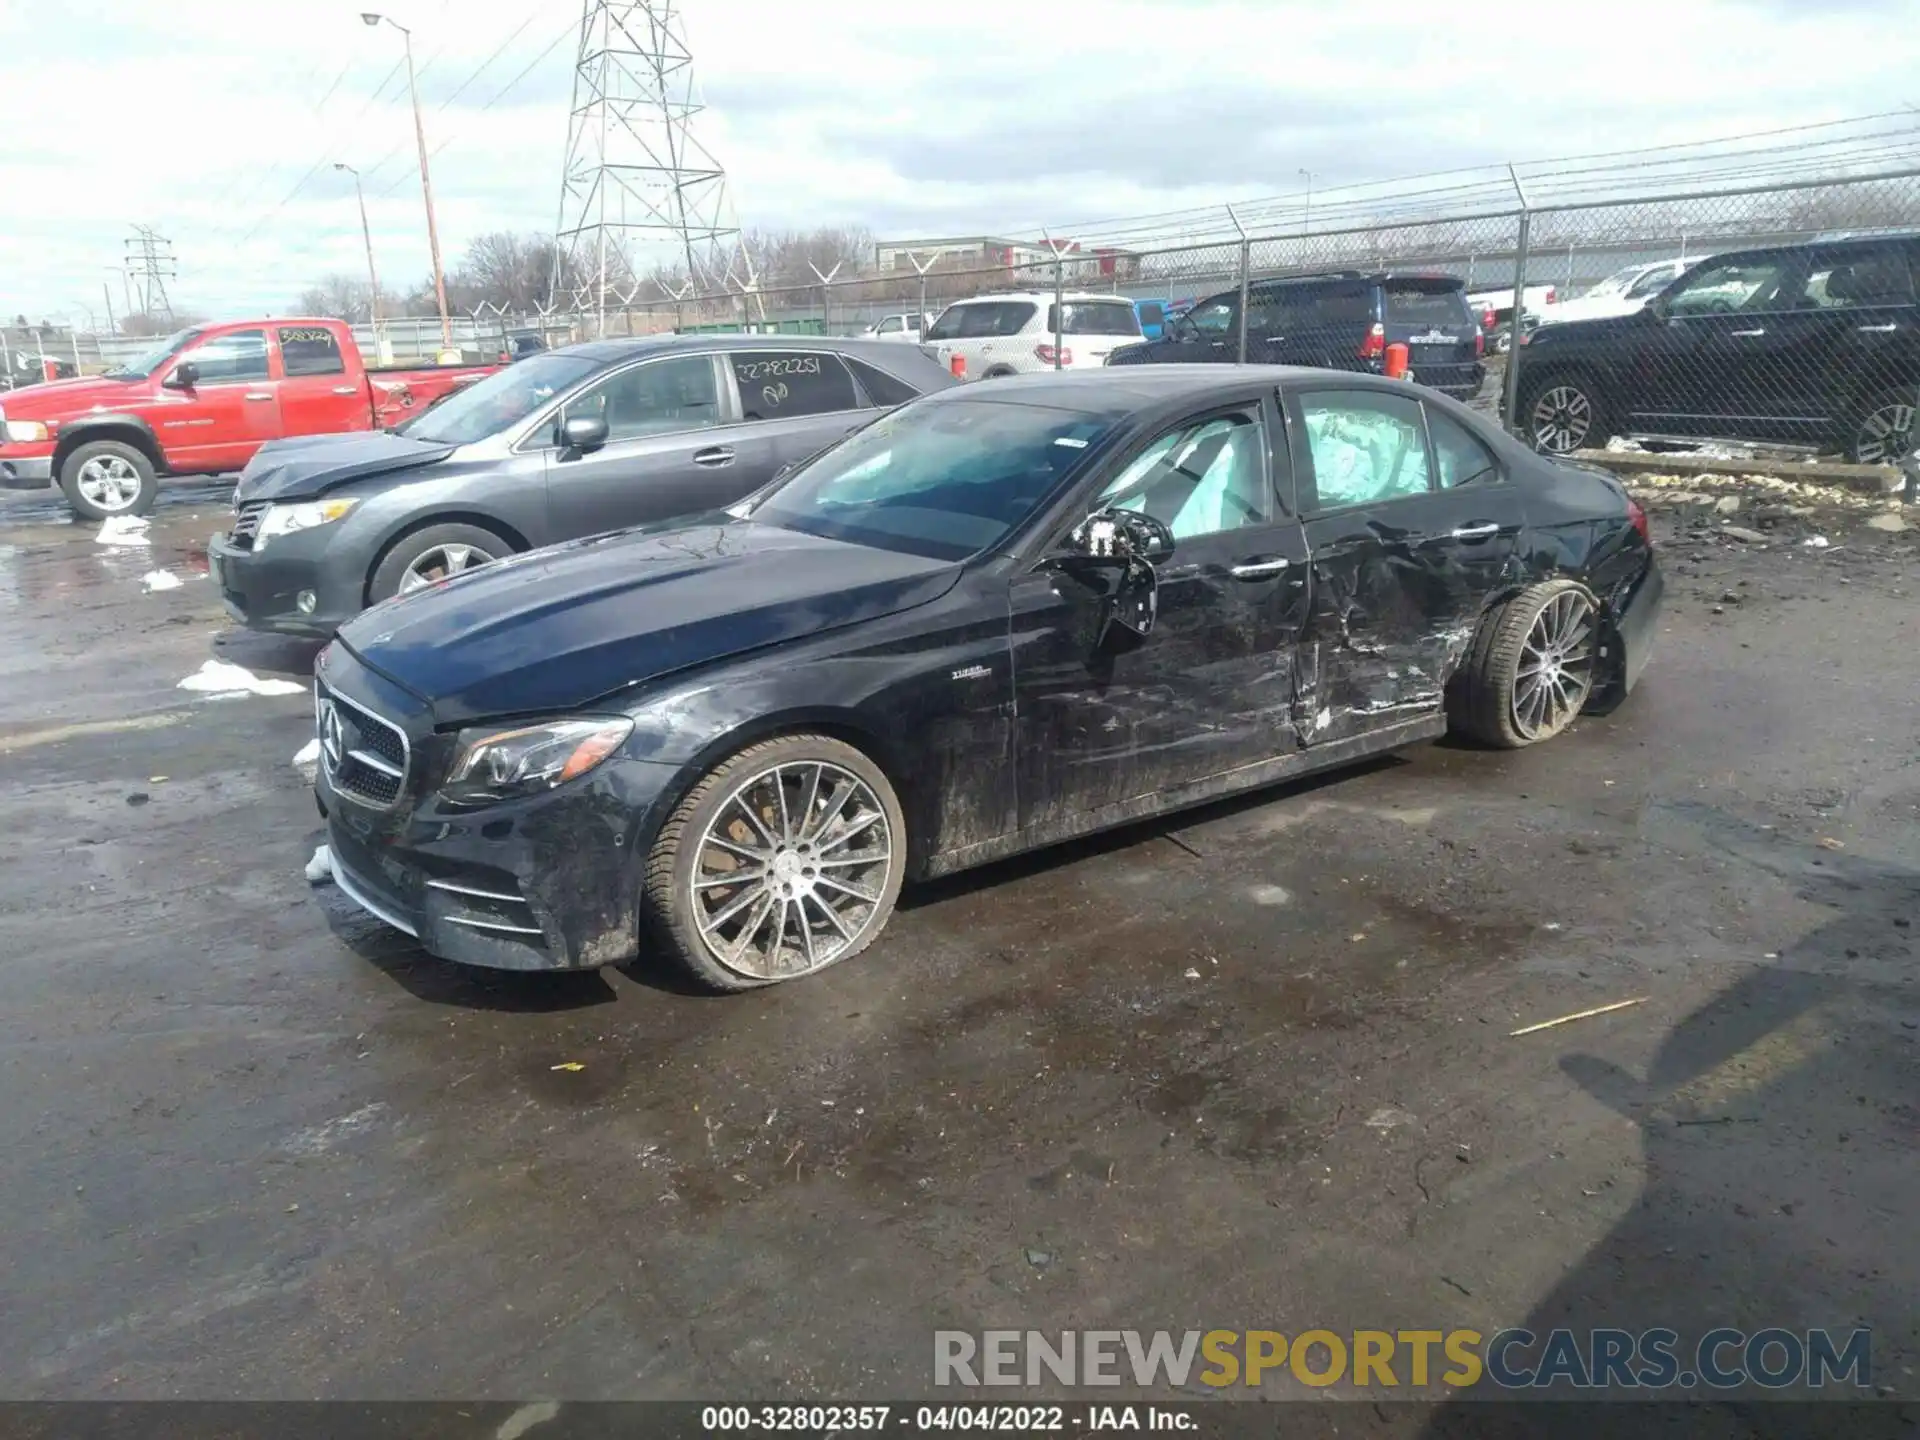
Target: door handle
{"x":1876,"y":329}
{"x":259,"y":395}
{"x":345,"y":390}
{"x":1747,"y":334}
{"x":1484,"y":531}
{"x":1258,"y":569}
{"x":713,"y":455}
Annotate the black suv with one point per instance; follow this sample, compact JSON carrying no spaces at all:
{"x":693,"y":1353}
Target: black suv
{"x":1335,"y":322}
{"x":1815,"y":344}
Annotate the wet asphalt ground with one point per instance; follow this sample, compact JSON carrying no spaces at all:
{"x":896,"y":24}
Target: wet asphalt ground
{"x":1248,"y":1068}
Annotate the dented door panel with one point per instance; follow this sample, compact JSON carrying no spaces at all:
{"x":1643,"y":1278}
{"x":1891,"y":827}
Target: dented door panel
{"x":1211,"y":689}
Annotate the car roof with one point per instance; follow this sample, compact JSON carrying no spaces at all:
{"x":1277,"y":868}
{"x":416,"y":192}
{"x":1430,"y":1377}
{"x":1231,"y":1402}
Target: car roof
{"x":1042,"y":297}
{"x":1139,"y":389}
{"x":1364,"y":277}
{"x":626,"y":348}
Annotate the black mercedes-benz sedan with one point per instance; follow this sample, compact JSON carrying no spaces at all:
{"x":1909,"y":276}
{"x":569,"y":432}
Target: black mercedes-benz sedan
{"x":998,"y":617}
{"x":561,"y":444}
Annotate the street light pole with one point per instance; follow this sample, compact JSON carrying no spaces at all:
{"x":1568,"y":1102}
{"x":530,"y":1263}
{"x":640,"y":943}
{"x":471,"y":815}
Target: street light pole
{"x":426,"y":184}
{"x":1306,"y":213}
{"x":373,"y":278}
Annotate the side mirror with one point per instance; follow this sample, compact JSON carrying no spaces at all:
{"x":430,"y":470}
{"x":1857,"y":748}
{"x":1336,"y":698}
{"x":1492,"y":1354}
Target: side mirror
{"x":1115,"y":537}
{"x":183,"y":377}
{"x":583,"y":433}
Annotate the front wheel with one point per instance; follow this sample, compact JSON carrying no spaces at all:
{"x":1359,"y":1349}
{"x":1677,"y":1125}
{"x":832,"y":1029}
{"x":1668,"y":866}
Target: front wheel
{"x":1562,"y":414}
{"x":107,"y":478}
{"x":786,"y":858}
{"x":1532,"y":666}
{"x":429,"y":556}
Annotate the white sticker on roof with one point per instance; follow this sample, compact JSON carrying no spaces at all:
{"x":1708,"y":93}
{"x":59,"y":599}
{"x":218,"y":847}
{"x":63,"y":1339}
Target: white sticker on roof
{"x":1071,"y":442}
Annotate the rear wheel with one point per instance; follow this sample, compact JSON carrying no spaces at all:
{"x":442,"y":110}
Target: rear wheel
{"x":1562,"y":413}
{"x":1532,"y":666}
{"x":1884,"y":432}
{"x":785,"y":859}
{"x":108,"y":477}
{"x":429,"y":556}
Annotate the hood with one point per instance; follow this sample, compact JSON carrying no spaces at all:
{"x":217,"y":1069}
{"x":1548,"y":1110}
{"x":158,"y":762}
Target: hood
{"x":64,"y":399}
{"x":314,"y":464}
{"x":555,"y":629}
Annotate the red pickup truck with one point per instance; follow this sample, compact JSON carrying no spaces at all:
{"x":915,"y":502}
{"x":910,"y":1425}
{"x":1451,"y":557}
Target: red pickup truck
{"x":201,"y":402}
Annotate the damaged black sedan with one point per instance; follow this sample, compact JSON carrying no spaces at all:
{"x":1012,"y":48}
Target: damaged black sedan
{"x":1001,"y":616}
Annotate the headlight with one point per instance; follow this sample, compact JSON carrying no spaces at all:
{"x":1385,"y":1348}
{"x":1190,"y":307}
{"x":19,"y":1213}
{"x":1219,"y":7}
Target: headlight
{"x":285,"y":519}
{"x":26,"y":432}
{"x":507,"y":764}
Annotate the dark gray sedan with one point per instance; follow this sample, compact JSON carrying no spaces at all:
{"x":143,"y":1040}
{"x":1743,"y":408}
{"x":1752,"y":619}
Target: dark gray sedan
{"x":564,"y":444}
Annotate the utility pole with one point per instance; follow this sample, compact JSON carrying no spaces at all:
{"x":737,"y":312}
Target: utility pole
{"x":373,"y":277}
{"x":106,"y":290}
{"x":374,"y":18}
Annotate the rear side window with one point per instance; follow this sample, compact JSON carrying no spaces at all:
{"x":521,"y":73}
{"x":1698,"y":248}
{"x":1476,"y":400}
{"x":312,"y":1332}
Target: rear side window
{"x":1366,"y":446}
{"x":1150,"y":312}
{"x":1458,"y":453}
{"x":982,"y":320}
{"x":1419,"y":305}
{"x":777,"y":384}
{"x":1094,"y":317}
{"x":883,"y":389}
{"x":310,"y":350}
{"x":1329,"y":308}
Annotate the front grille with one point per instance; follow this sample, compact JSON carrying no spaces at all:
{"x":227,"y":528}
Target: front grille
{"x":246,"y":524}
{"x":365,"y":755}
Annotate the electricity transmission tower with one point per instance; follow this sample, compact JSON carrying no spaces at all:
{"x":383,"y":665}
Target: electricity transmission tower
{"x":635,"y":178}
{"x":150,"y":265}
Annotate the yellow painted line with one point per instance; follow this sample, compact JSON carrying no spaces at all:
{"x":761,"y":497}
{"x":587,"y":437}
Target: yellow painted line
{"x":26,"y":740}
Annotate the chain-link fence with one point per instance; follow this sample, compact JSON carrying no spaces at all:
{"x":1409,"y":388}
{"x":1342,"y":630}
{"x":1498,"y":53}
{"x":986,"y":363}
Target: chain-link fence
{"x":1779,"y":314}
{"x":1811,"y":341}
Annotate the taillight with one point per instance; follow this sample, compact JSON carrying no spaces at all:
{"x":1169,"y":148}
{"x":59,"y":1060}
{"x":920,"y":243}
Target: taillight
{"x":1486,"y":318}
{"x":1375,"y":345}
{"x":1637,"y":518}
{"x":1479,"y":346}
{"x":1550,"y":295}
{"x":1047,"y":355}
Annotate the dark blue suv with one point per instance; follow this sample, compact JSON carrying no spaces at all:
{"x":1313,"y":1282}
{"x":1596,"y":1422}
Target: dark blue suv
{"x":1335,"y":322}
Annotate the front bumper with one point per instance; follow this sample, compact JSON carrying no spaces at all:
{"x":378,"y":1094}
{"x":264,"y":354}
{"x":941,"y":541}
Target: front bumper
{"x":552,"y":882}
{"x":262,"y":588}
{"x":26,"y":472}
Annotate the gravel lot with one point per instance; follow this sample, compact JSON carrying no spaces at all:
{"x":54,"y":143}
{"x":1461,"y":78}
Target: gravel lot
{"x":1250,"y":1068}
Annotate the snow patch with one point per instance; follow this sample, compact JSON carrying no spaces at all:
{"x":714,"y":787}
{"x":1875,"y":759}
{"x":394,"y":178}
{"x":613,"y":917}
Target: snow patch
{"x":320,"y":867}
{"x":222,"y":680}
{"x":122,"y":531}
{"x":309,"y":754}
{"x":161,"y":580}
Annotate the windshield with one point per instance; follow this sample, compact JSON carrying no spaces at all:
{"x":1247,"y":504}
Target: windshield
{"x":945,"y":480}
{"x":504,"y":398}
{"x":150,"y":360}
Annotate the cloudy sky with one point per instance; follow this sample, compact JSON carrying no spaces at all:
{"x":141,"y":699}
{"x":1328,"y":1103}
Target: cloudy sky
{"x":218,"y":121}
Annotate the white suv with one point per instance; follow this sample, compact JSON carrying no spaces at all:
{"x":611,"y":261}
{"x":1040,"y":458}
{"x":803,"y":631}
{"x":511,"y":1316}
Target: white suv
{"x":897,"y":327}
{"x":1014,"y":334}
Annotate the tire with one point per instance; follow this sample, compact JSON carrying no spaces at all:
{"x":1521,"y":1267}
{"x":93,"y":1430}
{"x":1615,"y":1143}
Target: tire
{"x":1883,"y":431}
{"x":408,"y":562}
{"x":1563,"y":413}
{"x":1489,"y":700}
{"x":999,"y":372}
{"x":105,"y":478}
{"x":713,"y":829}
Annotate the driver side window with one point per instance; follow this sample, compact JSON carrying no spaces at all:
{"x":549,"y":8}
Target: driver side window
{"x":1201,"y":478}
{"x":657,"y":398}
{"x":1212,"y":319}
{"x":239,"y":355}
